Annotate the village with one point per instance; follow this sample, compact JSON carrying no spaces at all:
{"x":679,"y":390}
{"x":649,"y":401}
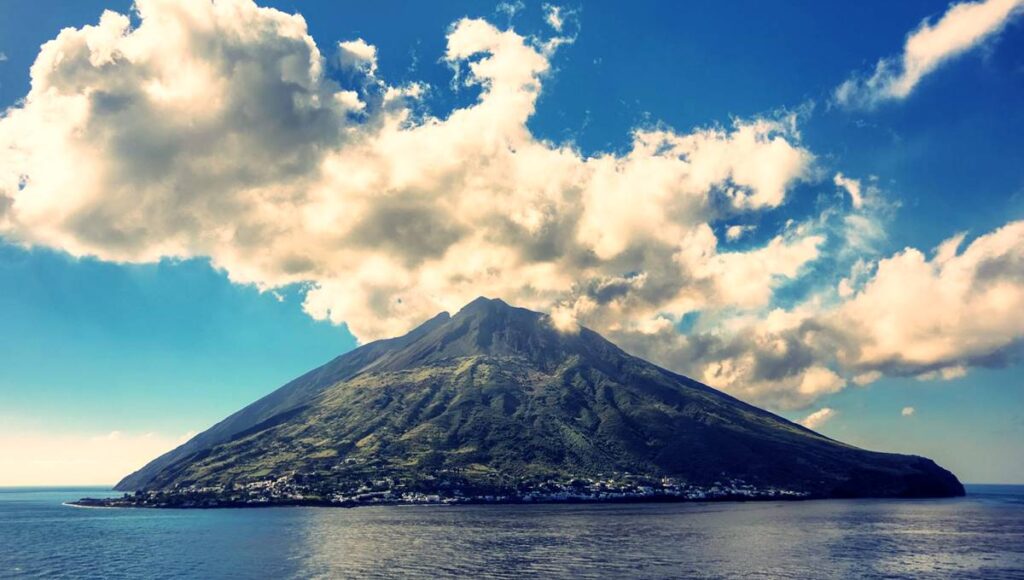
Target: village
{"x":289,"y":490}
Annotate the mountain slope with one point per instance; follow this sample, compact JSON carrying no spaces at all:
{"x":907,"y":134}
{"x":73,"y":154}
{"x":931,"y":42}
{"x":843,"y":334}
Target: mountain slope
{"x":495,"y":398}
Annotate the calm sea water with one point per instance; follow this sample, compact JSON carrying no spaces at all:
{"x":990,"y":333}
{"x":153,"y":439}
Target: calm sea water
{"x":980,"y":536}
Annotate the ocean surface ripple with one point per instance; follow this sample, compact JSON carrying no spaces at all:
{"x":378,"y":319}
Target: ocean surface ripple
{"x":979,"y":536}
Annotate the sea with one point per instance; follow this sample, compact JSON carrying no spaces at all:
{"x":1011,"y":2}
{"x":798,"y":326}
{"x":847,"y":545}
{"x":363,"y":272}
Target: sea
{"x":978,"y":536}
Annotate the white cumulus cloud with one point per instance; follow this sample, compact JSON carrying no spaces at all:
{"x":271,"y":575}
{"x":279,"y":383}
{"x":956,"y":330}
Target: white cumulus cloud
{"x":216,"y":129}
{"x":908,"y":411}
{"x":905,"y":315}
{"x":960,"y":308}
{"x":357,"y":54}
{"x":735,"y":232}
{"x":818,"y":418}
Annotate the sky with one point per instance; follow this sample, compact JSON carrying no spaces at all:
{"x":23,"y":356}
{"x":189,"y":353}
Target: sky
{"x":815,"y":207}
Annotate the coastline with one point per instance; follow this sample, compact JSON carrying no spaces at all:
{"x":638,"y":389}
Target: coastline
{"x":120,"y":503}
{"x":291,"y":490}
{"x":130,"y":501}
{"x":286,"y":490}
{"x":75,"y":504}
{"x":90,"y":503}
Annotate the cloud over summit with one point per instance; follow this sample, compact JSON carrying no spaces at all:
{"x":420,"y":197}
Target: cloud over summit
{"x":215,"y":129}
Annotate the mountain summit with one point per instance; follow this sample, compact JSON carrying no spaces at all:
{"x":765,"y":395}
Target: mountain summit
{"x":496,"y":402}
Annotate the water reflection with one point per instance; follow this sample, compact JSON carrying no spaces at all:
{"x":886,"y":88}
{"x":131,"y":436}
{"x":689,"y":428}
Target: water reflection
{"x":811,"y":539}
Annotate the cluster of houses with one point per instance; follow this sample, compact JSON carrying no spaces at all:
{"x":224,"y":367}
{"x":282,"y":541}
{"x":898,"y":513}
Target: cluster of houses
{"x":287,"y":489}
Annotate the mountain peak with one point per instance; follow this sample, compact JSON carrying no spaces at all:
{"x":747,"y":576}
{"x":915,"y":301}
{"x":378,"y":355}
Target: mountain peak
{"x":482,"y":306}
{"x":479,"y":300}
{"x":483,"y":327}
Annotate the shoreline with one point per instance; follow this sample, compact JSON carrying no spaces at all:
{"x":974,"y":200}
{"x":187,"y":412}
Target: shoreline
{"x":107,"y":504}
{"x":120,"y":503}
{"x":75,"y":504}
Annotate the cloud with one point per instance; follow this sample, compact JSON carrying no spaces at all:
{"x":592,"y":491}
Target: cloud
{"x":818,"y":418}
{"x":908,"y":411}
{"x":3,"y":56}
{"x":852,"y":187}
{"x":904,"y":315}
{"x":930,"y":318}
{"x":866,"y":378}
{"x":735,"y":232}
{"x":357,"y":55}
{"x":510,"y":9}
{"x":78,"y":459}
{"x":917,"y":315}
{"x":773,"y":359}
{"x":554,"y":17}
{"x":944,"y":374}
{"x":221,"y":130}
{"x":963,"y":27}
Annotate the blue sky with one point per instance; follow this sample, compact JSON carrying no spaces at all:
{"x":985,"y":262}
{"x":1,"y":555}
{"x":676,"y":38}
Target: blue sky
{"x":106,"y":342}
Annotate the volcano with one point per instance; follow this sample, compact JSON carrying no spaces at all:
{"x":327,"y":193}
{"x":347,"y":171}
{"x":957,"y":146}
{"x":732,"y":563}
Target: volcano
{"x":496,"y":402}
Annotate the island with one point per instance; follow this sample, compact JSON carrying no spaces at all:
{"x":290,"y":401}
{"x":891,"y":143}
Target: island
{"x":496,"y":404}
